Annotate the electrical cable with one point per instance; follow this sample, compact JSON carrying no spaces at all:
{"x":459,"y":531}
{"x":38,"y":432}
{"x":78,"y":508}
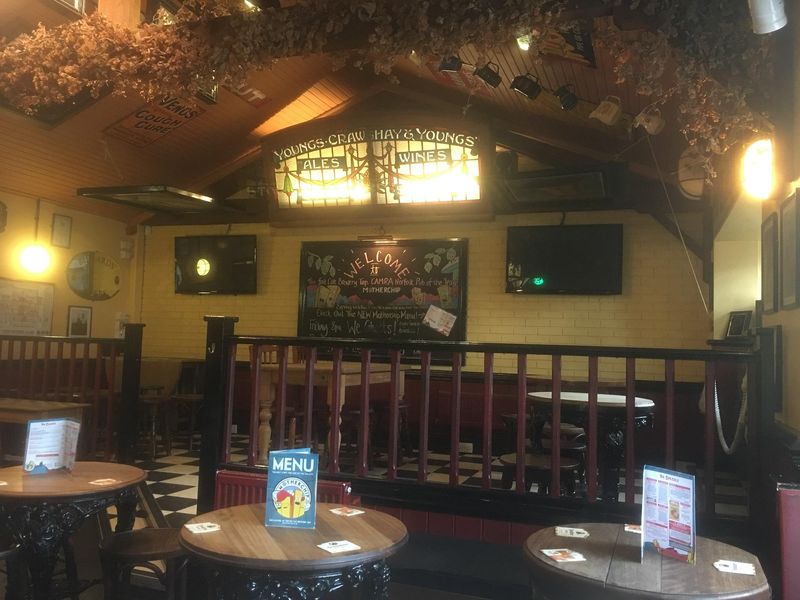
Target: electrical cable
{"x":677,"y":225}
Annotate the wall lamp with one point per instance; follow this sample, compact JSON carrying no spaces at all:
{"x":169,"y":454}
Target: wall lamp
{"x":490,"y":73}
{"x":35,"y":258}
{"x":527,"y":85}
{"x":451,"y":64}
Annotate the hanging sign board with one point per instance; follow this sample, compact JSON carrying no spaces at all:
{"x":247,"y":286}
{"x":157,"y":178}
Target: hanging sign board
{"x":403,"y":290}
{"x":155,"y":120}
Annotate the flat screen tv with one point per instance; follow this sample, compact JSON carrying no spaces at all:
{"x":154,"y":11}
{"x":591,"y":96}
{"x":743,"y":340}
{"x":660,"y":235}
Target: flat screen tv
{"x":215,"y":264}
{"x":564,"y":259}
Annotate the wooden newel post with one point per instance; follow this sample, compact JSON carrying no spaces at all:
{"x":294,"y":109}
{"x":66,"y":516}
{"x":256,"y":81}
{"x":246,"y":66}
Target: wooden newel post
{"x":127,"y":424}
{"x":212,"y":411}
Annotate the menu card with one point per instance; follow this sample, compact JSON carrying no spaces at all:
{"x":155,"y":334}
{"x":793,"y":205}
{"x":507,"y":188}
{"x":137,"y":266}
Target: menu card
{"x":668,"y":513}
{"x":292,"y":488}
{"x":51,"y":444}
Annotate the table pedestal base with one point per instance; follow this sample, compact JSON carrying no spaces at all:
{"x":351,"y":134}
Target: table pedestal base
{"x":243,"y":584}
{"x":42,"y":528}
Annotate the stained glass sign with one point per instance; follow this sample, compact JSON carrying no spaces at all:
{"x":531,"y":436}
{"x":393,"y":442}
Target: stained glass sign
{"x":383,"y":166}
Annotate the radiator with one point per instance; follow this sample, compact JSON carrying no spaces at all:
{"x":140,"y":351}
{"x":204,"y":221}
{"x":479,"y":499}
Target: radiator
{"x":239,"y":487}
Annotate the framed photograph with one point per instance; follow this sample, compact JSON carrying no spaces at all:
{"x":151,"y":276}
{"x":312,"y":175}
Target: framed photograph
{"x":61,"y":235}
{"x":79,"y":321}
{"x":789,"y":253}
{"x":769,"y":264}
{"x":739,"y":324}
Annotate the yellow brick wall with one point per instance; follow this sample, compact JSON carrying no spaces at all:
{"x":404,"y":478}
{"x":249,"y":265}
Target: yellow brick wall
{"x":659,"y":306}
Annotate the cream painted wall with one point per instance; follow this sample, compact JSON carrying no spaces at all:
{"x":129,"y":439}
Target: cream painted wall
{"x":88,"y":233}
{"x":737,"y":280}
{"x":659,"y":307}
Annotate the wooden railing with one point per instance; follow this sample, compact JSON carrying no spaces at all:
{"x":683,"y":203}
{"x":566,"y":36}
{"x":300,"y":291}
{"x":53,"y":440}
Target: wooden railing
{"x":223,"y":347}
{"x":85,"y":370}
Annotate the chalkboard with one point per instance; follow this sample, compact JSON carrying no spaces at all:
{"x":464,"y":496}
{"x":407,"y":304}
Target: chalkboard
{"x":398,"y":290}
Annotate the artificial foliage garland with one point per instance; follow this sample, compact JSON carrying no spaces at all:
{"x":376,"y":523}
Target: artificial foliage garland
{"x":721,"y":72}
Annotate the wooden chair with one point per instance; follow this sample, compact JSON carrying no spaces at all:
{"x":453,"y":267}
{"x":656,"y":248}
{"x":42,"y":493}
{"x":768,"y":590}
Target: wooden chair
{"x":246,"y":487}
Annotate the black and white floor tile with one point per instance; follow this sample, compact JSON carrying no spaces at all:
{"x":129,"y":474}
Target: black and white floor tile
{"x":172,"y":479}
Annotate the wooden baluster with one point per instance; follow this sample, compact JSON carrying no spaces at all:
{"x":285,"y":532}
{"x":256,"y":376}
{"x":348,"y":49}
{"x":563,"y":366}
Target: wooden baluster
{"x":336,"y":400}
{"x":23,"y":347}
{"x":630,"y":429}
{"x":394,"y":412}
{"x":522,"y":413}
{"x":455,"y":418}
{"x":591,"y":462}
{"x":48,"y":348}
{"x":255,"y":406}
{"x":308,"y":423}
{"x":73,"y":349}
{"x":363,"y":430}
{"x":34,"y":362}
{"x":227,"y":425}
{"x":555,"y":424}
{"x":669,"y":417}
{"x":280,"y":410}
{"x":424,"y":415}
{"x":59,"y":360}
{"x":488,"y":401}
{"x":111,"y":385}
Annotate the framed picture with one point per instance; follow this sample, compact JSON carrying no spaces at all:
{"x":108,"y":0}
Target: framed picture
{"x":769,"y":264}
{"x":739,"y":324}
{"x":61,"y":235}
{"x":26,"y":307}
{"x":79,"y":321}
{"x":789,"y":253}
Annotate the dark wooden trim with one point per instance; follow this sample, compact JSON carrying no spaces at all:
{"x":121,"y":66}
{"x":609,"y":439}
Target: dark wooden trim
{"x":131,"y":369}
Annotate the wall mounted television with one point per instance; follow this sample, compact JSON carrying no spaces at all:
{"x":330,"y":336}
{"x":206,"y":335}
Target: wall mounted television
{"x":215,"y":264}
{"x":564,"y":259}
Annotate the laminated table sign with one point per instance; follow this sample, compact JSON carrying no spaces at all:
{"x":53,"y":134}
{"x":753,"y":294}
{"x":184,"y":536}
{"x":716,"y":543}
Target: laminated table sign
{"x":292,"y":488}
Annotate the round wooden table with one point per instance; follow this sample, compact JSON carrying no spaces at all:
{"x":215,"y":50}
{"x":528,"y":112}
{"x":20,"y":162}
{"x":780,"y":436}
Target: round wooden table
{"x":612,"y":569}
{"x":611,"y":425}
{"x":246,"y":559}
{"x":42,"y":511}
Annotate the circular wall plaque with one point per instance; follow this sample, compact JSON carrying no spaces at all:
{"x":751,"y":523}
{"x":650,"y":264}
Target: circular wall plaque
{"x":93,"y":276}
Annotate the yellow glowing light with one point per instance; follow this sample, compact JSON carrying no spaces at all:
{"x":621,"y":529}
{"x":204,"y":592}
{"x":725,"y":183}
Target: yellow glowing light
{"x":203,"y":267}
{"x":357,"y":193}
{"x":758,"y":176}
{"x":35,"y":258}
{"x":524,"y":42}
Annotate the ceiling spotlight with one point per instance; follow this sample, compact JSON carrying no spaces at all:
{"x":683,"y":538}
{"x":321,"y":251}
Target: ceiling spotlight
{"x":490,"y":73}
{"x":527,"y":85}
{"x":451,"y":64}
{"x":566,"y":97}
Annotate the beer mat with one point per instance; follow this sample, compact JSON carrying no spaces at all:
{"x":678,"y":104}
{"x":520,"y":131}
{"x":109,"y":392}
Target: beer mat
{"x":346,"y":511}
{"x":574,"y":532}
{"x":731,"y":566}
{"x":102,"y":482}
{"x":202,"y":527}
{"x":338,"y":546}
{"x":563,"y":554}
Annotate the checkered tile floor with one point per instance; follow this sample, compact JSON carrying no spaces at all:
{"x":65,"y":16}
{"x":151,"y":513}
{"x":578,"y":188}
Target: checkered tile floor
{"x":173,"y":479}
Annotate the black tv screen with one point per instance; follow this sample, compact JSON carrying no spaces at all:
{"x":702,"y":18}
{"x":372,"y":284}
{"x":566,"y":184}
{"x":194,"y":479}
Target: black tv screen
{"x":215,"y":264}
{"x":564,"y":259}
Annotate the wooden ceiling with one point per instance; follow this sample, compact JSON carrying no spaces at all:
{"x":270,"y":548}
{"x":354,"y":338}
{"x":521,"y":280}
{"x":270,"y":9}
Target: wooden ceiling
{"x":218,"y":151}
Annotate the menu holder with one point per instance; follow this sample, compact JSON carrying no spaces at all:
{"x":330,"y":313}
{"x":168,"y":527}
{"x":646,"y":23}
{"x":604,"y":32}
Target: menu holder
{"x":51,"y":444}
{"x":668,"y":514}
{"x":292,"y":489}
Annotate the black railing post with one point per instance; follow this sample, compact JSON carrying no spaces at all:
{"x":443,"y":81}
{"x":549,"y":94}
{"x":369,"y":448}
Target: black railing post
{"x":129,"y":392}
{"x":212,"y":411}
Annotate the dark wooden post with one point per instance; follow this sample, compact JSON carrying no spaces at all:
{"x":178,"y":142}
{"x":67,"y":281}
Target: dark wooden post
{"x":212,"y":411}
{"x":129,"y":391}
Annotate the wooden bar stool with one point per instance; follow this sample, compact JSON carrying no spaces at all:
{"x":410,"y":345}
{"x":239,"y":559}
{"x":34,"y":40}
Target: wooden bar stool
{"x":121,"y":552}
